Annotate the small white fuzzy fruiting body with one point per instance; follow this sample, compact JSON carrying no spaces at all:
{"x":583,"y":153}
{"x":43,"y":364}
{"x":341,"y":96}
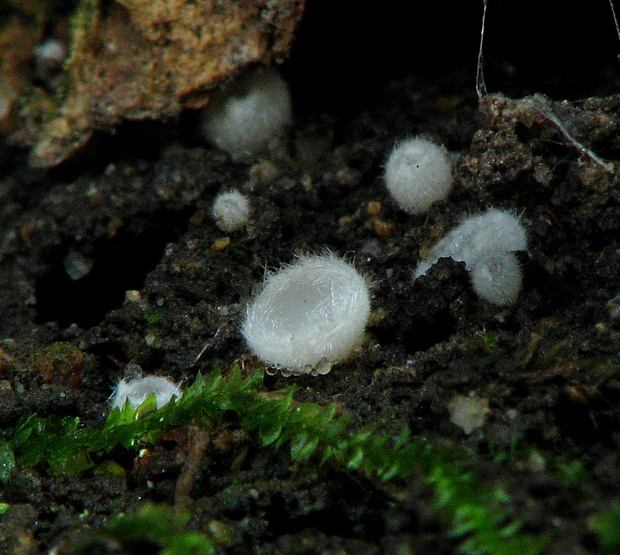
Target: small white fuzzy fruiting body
{"x":231,"y":211}
{"x":486,"y":243}
{"x":418,"y":173}
{"x":136,"y":392}
{"x":497,"y":279}
{"x":309,"y":315}
{"x":468,"y":413}
{"x":251,"y":116}
{"x":50,"y":52}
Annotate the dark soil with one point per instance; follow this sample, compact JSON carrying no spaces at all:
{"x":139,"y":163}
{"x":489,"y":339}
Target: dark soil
{"x":132,"y":213}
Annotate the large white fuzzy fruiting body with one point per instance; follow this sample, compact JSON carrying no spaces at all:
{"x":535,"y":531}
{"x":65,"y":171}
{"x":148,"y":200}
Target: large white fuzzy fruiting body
{"x":308,"y":315}
{"x":486,"y":243}
{"x":136,"y":392}
{"x":231,"y":211}
{"x":477,"y":237}
{"x":249,"y":117}
{"x":418,"y":173}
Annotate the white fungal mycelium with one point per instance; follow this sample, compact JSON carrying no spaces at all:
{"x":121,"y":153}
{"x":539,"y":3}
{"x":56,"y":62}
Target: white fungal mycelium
{"x":486,"y":243}
{"x":249,"y":117}
{"x":418,"y":173}
{"x":309,"y":315}
{"x":137,"y":391}
{"x":231,"y":211}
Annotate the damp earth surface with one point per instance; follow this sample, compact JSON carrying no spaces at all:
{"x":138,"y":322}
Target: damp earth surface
{"x":111,"y":266}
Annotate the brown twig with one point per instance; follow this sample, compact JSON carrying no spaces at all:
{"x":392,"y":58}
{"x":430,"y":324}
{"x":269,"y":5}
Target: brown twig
{"x":199,"y":439}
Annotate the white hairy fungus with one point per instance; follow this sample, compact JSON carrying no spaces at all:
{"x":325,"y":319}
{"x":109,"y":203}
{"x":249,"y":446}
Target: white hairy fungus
{"x":50,"y":53}
{"x":486,"y":243}
{"x":497,"y":279}
{"x":231,"y":211}
{"x":309,"y":315}
{"x":136,"y":392}
{"x":418,"y":173}
{"x":468,"y":413}
{"x":251,"y":116}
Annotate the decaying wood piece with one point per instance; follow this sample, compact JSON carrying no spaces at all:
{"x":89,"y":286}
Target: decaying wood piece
{"x":149,"y":59}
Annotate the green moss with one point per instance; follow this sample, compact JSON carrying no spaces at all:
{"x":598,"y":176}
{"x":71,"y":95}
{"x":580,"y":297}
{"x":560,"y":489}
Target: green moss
{"x":59,"y":362}
{"x":160,"y":527}
{"x":607,"y":526}
{"x":477,"y":514}
{"x":7,"y":461}
{"x":482,"y":342}
{"x":155,"y":318}
{"x":572,"y":473}
{"x":83,"y":22}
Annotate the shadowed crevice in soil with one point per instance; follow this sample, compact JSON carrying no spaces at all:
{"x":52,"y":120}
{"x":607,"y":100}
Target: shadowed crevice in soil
{"x":101,"y":278}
